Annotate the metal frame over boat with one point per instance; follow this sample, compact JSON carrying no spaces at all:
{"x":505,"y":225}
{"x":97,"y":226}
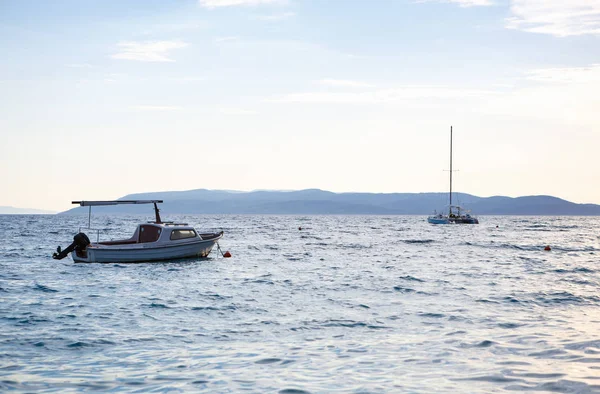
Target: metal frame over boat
{"x":152,"y":241}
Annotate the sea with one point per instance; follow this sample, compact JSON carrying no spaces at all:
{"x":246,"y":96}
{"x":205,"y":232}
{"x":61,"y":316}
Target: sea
{"x":307,"y":304}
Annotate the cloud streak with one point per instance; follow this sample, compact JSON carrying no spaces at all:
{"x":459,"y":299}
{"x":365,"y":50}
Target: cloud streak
{"x":276,"y":17}
{"x":341,"y":83}
{"x":157,"y":108}
{"x":236,"y":111}
{"x":559,"y":18}
{"x":461,"y":3}
{"x":382,"y":96}
{"x":566,"y":96}
{"x":567,"y":75}
{"x":147,"y":51}
{"x":230,"y":3}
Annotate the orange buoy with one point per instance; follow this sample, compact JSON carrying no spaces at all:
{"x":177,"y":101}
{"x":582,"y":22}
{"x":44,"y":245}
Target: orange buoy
{"x":547,"y":248}
{"x":227,"y":254}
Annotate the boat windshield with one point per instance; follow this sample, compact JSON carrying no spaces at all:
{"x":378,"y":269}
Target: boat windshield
{"x":182,"y":234}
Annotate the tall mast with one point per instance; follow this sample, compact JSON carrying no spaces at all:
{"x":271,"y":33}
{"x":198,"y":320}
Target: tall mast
{"x":450,"y":169}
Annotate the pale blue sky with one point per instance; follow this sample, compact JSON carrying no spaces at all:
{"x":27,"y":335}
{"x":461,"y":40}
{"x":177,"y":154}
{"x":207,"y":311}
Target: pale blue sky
{"x":102,"y":99}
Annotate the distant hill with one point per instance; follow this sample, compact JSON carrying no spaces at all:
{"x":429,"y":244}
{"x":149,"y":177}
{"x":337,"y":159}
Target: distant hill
{"x":22,"y":211}
{"x":315,"y":201}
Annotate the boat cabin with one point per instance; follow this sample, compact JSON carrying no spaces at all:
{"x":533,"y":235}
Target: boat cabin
{"x":153,"y":232}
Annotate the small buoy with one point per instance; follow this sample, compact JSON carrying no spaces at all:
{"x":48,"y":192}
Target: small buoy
{"x":496,"y":226}
{"x":299,"y":228}
{"x":227,"y":254}
{"x":547,"y":248}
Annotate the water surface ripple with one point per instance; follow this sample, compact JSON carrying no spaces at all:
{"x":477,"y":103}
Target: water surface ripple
{"x":346,"y":304}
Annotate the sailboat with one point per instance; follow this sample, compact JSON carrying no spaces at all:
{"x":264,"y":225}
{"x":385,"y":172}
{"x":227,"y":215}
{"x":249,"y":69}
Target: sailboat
{"x":456,"y":214}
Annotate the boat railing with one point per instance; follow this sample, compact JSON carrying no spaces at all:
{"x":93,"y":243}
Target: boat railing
{"x":171,"y":223}
{"x":90,"y":230}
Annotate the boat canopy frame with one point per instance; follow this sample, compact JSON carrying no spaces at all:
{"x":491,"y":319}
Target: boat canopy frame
{"x":91,"y":204}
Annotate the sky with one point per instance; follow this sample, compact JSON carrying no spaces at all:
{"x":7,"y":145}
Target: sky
{"x":100,"y":99}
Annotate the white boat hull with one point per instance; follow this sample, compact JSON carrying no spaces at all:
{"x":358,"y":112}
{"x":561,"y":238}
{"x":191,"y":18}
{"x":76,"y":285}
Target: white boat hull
{"x":98,"y":253}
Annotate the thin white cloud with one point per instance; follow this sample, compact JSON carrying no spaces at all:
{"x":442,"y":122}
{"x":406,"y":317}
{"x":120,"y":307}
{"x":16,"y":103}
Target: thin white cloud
{"x":230,"y":3}
{"x":567,"y":75}
{"x":147,"y":51}
{"x":344,"y":83}
{"x":559,"y":18}
{"x":236,"y":111}
{"x":165,"y":28}
{"x":461,"y":3}
{"x":276,"y":17}
{"x":382,"y":96}
{"x":187,"y":79}
{"x":157,"y":108}
{"x":226,"y":39}
{"x":565,"y":95}
{"x":79,"y":65}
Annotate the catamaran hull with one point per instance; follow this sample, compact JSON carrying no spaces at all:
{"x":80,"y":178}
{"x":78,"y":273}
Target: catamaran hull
{"x":438,"y":221}
{"x":453,"y":221}
{"x":97,"y":253}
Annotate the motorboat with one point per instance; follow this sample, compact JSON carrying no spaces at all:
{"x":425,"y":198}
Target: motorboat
{"x":456,"y":214}
{"x":151,"y":241}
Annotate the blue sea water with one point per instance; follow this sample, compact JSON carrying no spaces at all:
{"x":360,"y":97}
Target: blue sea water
{"x":359,"y":304}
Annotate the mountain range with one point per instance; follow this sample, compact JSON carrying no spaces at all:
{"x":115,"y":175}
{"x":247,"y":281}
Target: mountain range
{"x":315,"y":201}
{"x":4,"y":210}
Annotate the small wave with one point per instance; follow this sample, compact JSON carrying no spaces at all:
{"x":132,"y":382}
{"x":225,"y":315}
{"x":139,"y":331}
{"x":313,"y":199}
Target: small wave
{"x":551,"y":353}
{"x":157,"y":305}
{"x":483,"y":300}
{"x":482,"y":344}
{"x":344,"y":323}
{"x":205,"y":308}
{"x":403,"y":289}
{"x":268,"y":361}
{"x":564,"y":297}
{"x":435,"y":315}
{"x":32,"y":320}
{"x":140,"y":339}
{"x":418,"y":241}
{"x":356,"y":246}
{"x":584,"y":345}
{"x":411,"y":278}
{"x":509,"y":325}
{"x":512,"y":300}
{"x":45,"y":289}
{"x":317,"y":244}
{"x":265,"y":281}
{"x":561,"y":386}
{"x":214,"y":308}
{"x":574,"y":270}
{"x":216,"y":296}
{"x":79,"y":344}
{"x":491,"y":378}
{"x":350,"y":324}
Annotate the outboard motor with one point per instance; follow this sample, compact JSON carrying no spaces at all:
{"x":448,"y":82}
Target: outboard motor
{"x":80,"y":242}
